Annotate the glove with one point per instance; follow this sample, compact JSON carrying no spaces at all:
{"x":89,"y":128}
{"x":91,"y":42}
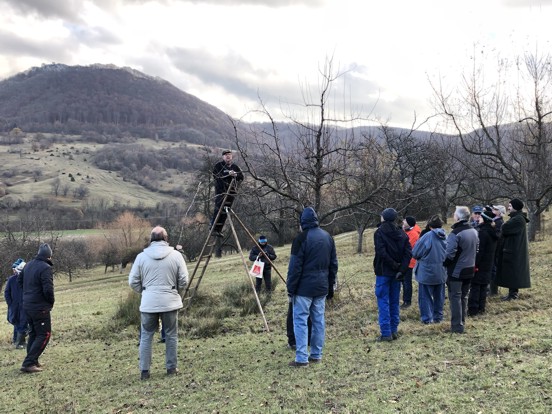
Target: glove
{"x":330,"y":294}
{"x":290,"y":298}
{"x":396,"y":266}
{"x":399,"y":276}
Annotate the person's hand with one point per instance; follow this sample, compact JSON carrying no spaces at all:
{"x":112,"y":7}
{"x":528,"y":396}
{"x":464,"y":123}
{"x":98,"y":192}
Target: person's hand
{"x":178,"y":247}
{"x":290,"y":297}
{"x":233,"y":173}
{"x":399,"y":276}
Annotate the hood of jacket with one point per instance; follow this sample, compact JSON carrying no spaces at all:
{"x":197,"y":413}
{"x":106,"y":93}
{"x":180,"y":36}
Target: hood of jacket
{"x":158,"y":250}
{"x":309,"y":219}
{"x":390,"y":230}
{"x":439,"y":233}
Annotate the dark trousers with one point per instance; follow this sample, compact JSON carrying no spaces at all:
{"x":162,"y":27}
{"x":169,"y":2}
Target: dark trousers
{"x":267,"y":276}
{"x":477,"y":299}
{"x":289,"y":326}
{"x":493,"y":288}
{"x":222,"y":217}
{"x":39,"y":335}
{"x":407,"y":286}
{"x":458,"y":290}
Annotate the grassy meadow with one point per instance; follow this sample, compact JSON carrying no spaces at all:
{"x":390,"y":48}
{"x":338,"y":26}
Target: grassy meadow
{"x":228,"y":363}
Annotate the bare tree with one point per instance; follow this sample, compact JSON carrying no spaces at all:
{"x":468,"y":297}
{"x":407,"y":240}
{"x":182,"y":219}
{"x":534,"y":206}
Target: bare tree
{"x":516,"y":156}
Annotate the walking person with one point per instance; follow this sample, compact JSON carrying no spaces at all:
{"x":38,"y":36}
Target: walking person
{"x":391,"y":260}
{"x":413,"y":231}
{"x":312,"y":272}
{"x":14,"y":299}
{"x":37,"y":282}
{"x":224,"y":173}
{"x":513,"y":257}
{"x":462,"y":244}
{"x":159,"y":274}
{"x":268,"y":251}
{"x":430,"y":252}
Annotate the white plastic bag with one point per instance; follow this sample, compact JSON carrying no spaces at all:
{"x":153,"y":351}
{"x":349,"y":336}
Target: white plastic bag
{"x":257,"y":268}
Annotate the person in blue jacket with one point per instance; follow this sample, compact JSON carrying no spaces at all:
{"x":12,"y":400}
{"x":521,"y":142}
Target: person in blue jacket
{"x":312,"y":272}
{"x":431,"y":275}
{"x":14,"y":299}
{"x":393,"y":254}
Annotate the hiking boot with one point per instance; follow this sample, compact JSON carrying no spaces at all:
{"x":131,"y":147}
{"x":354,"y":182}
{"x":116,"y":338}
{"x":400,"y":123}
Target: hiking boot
{"x":405,"y":305}
{"x":315,"y":360}
{"x":144,"y":375}
{"x":31,"y":369}
{"x":290,"y":346}
{"x":395,"y":336}
{"x":510,"y":297}
{"x":296,"y":364}
{"x":385,"y":338}
{"x":172,"y":371}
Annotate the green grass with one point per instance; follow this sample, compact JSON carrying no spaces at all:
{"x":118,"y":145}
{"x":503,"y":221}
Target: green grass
{"x":228,"y":363}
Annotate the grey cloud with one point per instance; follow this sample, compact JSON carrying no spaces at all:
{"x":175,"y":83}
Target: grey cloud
{"x":527,"y":4}
{"x":13,"y":45}
{"x":93,"y":36}
{"x":66,"y":9}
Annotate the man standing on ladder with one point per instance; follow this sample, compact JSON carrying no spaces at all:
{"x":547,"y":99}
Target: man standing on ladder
{"x":226,"y":175}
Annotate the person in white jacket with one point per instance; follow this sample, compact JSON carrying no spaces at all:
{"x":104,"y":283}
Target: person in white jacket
{"x":159,"y":274}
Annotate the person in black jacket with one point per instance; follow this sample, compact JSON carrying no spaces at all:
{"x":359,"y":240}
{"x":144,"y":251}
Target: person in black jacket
{"x":393,"y":254}
{"x":484,"y":262}
{"x":226,"y":175}
{"x":269,"y":252}
{"x":37,"y":281}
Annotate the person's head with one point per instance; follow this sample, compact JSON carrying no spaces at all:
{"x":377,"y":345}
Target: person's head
{"x":487,"y":215}
{"x":498,"y":210}
{"x":19,"y":267}
{"x":435,"y":222}
{"x":263,"y":240}
{"x":158,"y":233}
{"x":515,"y":205}
{"x":15,"y":265}
{"x":309,"y":218}
{"x":408,"y":222}
{"x":45,"y":251}
{"x":389,"y":214}
{"x":227,"y":156}
{"x":476,"y":212}
{"x":461,"y":213}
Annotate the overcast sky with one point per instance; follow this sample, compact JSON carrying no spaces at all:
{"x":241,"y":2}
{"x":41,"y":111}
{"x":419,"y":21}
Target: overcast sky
{"x":230,"y":53}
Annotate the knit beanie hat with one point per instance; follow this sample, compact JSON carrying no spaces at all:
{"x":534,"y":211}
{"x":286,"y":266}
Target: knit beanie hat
{"x":262,"y":239}
{"x":487,"y":214}
{"x":389,"y":214}
{"x":45,"y":251}
{"x":517,"y":204}
{"x":20,"y":266}
{"x":16,"y":263}
{"x":410,"y":220}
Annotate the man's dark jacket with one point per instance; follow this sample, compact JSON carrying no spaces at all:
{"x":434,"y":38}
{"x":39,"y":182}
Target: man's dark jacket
{"x":485,"y":258}
{"x":393,"y":251}
{"x":513,"y":257}
{"x":222,"y":177}
{"x":313,"y":263}
{"x":269,"y":251}
{"x":37,"y":281}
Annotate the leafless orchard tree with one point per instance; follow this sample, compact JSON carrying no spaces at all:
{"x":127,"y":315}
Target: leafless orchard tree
{"x":504,"y":127}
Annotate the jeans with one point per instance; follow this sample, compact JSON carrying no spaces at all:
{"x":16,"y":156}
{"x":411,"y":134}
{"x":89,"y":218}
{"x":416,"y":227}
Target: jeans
{"x":40,"y":325}
{"x":388,"y":292}
{"x":407,"y":286}
{"x":458,"y":296}
{"x":150,"y":325}
{"x":431,"y":299}
{"x":303,"y":307}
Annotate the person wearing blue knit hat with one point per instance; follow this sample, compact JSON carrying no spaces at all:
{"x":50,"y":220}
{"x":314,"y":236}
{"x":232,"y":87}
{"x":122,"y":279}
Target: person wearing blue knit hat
{"x":14,"y":299}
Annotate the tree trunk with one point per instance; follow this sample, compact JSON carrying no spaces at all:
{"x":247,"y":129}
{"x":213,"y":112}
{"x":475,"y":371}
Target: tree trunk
{"x":360,"y":239}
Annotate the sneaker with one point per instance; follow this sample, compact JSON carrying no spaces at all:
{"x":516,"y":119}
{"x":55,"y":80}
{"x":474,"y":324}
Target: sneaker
{"x":31,"y":369}
{"x":161,"y":341}
{"x":385,"y":338}
{"x":314,"y":360}
{"x":296,"y":364}
{"x":172,"y":371}
{"x":395,"y":336}
{"x":290,"y":346}
{"x":144,"y":375}
{"x":405,"y":305}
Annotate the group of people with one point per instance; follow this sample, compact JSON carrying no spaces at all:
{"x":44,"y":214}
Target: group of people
{"x":30,"y":298}
{"x":464,"y":261}
{"x":480,"y":253}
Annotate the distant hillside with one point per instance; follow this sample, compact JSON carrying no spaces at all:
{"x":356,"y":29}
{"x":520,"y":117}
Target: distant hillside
{"x":107,"y":100}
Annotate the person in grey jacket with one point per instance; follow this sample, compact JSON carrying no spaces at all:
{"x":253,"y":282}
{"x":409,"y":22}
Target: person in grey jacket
{"x":159,"y":273}
{"x":430,"y":253}
{"x":462,"y":245}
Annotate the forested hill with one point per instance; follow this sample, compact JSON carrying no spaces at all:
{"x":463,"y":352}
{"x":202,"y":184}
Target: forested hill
{"x":106,"y":99}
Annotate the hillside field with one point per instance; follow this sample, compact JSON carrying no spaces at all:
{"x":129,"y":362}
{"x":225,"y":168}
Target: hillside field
{"x":501,"y":365}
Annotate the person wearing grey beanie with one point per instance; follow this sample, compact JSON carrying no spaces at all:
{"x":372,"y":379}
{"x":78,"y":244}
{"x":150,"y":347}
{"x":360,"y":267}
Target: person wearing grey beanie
{"x":45,"y":251}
